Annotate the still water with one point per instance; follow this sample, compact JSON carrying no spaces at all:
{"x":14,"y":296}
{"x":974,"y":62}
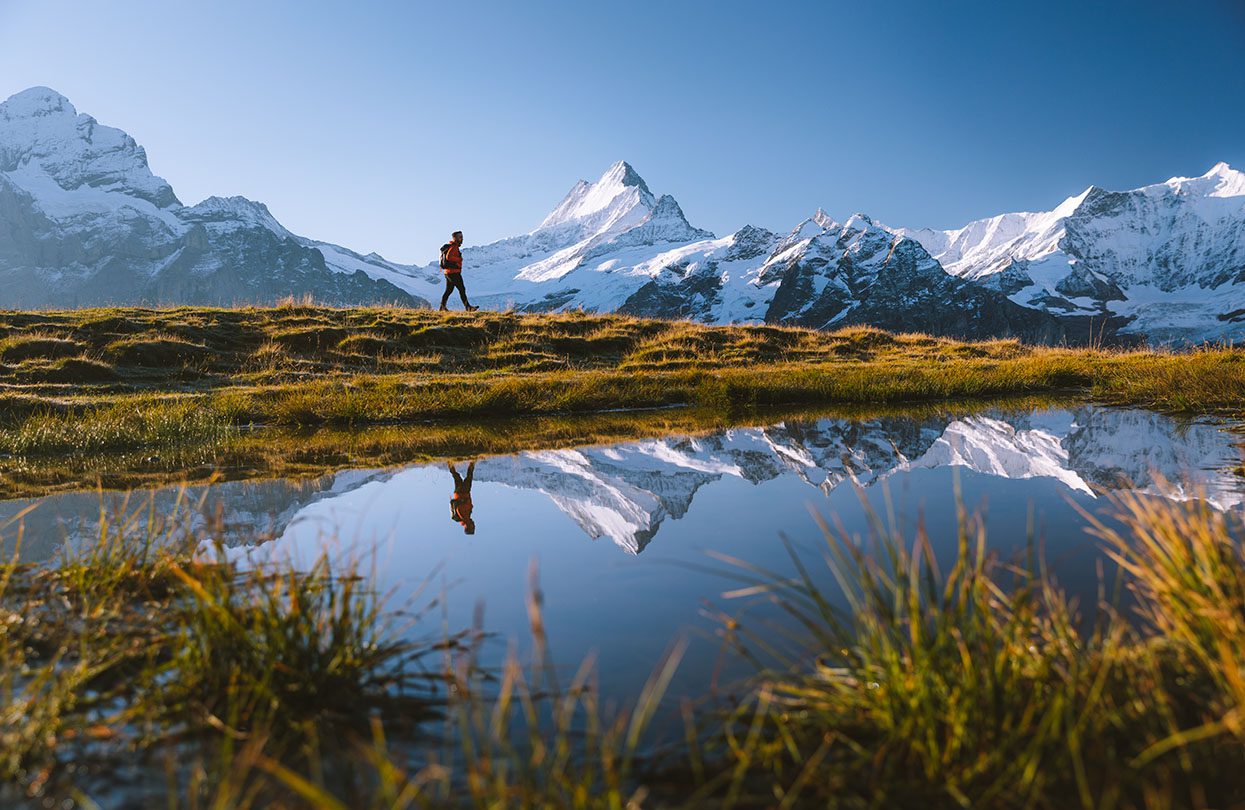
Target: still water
{"x":621,"y":533}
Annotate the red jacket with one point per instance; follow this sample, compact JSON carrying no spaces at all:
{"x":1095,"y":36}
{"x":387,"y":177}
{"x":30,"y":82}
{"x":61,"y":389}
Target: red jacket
{"x":453,"y":259}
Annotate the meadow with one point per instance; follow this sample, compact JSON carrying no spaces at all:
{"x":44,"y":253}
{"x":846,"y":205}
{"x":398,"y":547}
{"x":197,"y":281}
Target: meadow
{"x":115,"y":380}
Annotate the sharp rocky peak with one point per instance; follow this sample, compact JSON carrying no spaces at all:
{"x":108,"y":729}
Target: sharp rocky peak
{"x":623,"y":174}
{"x":620,"y":181}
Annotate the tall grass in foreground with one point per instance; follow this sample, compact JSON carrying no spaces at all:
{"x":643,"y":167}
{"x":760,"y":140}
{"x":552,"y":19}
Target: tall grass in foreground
{"x":984,"y":686}
{"x":147,"y":642}
{"x":977,"y":683}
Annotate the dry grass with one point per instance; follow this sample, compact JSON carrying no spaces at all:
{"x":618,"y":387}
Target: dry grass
{"x":304,"y":365}
{"x":986,"y":686}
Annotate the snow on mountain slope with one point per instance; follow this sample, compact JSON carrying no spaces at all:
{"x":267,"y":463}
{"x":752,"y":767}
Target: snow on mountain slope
{"x":1169,"y":257}
{"x":626,"y":492}
{"x":591,"y":251}
{"x":84,"y":221}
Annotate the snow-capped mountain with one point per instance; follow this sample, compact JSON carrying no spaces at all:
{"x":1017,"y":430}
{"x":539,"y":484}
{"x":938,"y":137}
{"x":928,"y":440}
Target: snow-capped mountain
{"x":1166,"y":260}
{"x":826,"y":274}
{"x":591,"y":251}
{"x":612,"y":245}
{"x":84,"y":221}
{"x":1164,"y":263}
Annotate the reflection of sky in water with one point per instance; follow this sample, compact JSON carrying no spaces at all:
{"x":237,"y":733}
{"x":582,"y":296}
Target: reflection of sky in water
{"x":656,"y":507}
{"x":626,"y":607}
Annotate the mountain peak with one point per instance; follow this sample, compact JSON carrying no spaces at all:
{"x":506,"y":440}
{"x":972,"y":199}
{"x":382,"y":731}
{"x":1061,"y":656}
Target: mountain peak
{"x":620,"y":182}
{"x":1221,"y":169}
{"x":622,"y":174}
{"x":1220,"y":181}
{"x":35,"y":102}
{"x":858,"y":222}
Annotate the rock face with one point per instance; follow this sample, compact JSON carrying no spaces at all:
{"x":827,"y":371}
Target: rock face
{"x":84,"y":222}
{"x":1167,"y":261}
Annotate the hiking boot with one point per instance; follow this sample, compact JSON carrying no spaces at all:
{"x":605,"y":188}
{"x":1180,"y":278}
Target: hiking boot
{"x":442,"y":309}
{"x":471,"y":308}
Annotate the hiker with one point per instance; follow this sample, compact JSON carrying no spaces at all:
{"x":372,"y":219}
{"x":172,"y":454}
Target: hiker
{"x":460,"y":501}
{"x":452,"y":266}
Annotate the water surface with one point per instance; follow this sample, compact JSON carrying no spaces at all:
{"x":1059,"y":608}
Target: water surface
{"x":621,"y":532}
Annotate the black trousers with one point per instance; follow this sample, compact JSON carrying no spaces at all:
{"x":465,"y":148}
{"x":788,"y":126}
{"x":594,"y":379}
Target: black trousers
{"x":453,"y":280}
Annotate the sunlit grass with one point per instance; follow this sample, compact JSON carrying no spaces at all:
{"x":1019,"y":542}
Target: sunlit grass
{"x":305,"y":365}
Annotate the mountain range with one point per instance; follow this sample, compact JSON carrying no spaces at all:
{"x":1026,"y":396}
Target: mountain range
{"x":83,"y":221}
{"x":625,"y":493}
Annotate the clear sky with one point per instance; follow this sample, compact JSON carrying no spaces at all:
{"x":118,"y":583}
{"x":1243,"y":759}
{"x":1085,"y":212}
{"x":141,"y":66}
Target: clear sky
{"x":384,"y":125}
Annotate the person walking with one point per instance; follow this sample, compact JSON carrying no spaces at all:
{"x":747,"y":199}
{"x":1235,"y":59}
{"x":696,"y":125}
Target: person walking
{"x":452,"y":265}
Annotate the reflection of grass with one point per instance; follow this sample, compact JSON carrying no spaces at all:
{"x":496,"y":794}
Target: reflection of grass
{"x":143,"y":423}
{"x":973,"y":686}
{"x":292,"y":452}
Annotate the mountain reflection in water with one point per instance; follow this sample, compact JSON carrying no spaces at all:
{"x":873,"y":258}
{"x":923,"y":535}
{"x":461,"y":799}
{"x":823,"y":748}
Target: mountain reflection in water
{"x":734,"y":492}
{"x":627,"y":492}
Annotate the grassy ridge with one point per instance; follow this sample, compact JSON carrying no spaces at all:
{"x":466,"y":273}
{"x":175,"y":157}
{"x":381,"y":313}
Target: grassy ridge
{"x":100,"y":381}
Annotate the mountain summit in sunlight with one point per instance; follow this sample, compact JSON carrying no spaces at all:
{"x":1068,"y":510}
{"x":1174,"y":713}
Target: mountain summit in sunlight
{"x":86,"y":222}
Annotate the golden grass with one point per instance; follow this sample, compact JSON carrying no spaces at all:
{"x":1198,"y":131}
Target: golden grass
{"x":304,"y":365}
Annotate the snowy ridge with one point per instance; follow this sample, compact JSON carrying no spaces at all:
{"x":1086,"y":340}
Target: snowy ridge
{"x":1168,"y":257}
{"x":87,"y":222}
{"x":625,"y":492}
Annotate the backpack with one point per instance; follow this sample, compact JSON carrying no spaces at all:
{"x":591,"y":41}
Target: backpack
{"x":445,"y":263}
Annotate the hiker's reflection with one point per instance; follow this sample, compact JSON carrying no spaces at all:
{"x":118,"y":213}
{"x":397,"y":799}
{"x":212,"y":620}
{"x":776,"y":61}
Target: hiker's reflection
{"x":460,"y":503}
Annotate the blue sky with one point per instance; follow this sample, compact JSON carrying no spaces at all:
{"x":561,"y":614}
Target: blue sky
{"x":384,"y":125}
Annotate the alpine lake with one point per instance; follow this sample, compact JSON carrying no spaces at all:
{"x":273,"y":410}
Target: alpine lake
{"x":642,"y":545}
